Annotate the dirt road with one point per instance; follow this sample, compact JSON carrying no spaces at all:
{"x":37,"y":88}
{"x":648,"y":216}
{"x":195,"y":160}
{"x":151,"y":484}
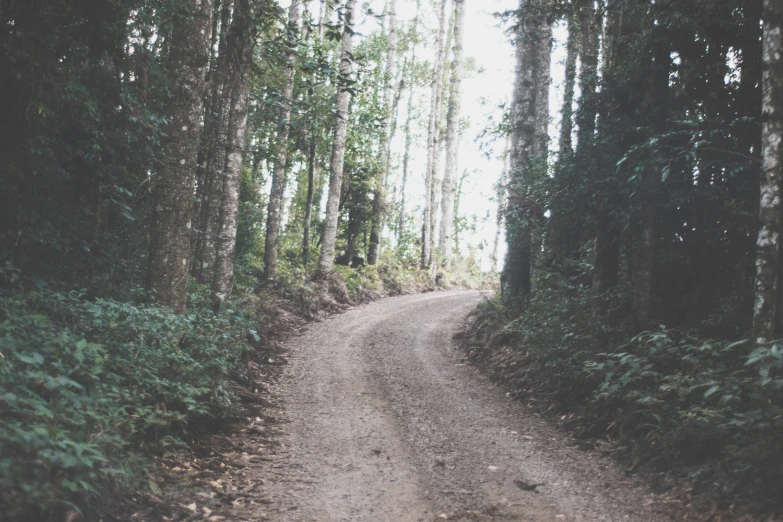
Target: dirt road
{"x":383,"y":422}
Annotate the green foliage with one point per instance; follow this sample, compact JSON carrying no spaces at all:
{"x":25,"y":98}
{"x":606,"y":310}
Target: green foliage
{"x":359,"y":280}
{"x":693,"y":401}
{"x":708,"y":410}
{"x":89,"y":386}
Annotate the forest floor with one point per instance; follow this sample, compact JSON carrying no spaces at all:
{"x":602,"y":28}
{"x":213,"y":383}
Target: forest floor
{"x":377,"y":417}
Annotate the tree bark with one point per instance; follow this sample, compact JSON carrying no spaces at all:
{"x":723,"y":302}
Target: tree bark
{"x":379,"y":195}
{"x":770,"y":206}
{"x":241,"y":46}
{"x":433,"y":139}
{"x":308,"y":217}
{"x":274,"y":210}
{"x":589,"y":20}
{"x":565,"y":146}
{"x":606,"y":250}
{"x":408,"y":119}
{"x":452,"y":139}
{"x":209,"y":190}
{"x":646,"y":248}
{"x":172,"y":208}
{"x":500,"y":194}
{"x":326,"y":262}
{"x":529,"y":122}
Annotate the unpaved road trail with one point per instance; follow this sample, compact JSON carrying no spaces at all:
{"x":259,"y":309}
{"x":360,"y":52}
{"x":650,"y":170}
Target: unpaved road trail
{"x":383,"y":422}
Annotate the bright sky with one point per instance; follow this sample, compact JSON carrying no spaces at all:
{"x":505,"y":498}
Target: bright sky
{"x":488,"y":45}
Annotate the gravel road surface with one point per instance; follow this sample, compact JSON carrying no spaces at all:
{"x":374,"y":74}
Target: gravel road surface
{"x":382,"y":421}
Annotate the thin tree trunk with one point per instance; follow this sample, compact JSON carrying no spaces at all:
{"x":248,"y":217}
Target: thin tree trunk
{"x":455,"y":218}
{"x":529,"y":122}
{"x":452,"y":139}
{"x":326,"y":262}
{"x":500,"y":194}
{"x":172,"y":208}
{"x":408,"y":119}
{"x":770,"y":206}
{"x":379,"y":195}
{"x":433,"y":138}
{"x":241,"y":46}
{"x":308,"y":218}
{"x":273,"y":221}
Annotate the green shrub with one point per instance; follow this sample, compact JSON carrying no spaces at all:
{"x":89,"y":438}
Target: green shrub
{"x":89,"y":386}
{"x":708,"y":410}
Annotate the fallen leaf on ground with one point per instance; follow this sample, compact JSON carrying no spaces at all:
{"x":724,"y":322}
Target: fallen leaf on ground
{"x":192,"y":507}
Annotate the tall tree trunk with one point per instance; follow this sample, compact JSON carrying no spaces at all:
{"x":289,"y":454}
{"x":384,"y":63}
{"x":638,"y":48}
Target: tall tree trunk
{"x":308,"y":217}
{"x":529,"y":122}
{"x":433,"y":139}
{"x":500,"y":194}
{"x":273,"y":221}
{"x":209,"y":190}
{"x":379,"y":195}
{"x":770,"y":207}
{"x":452,"y":139}
{"x":406,"y":157}
{"x":241,"y":50}
{"x":590,"y":22}
{"x":565,"y":147}
{"x":326,"y":262}
{"x":172,"y":207}
{"x":203,"y":146}
{"x":646,"y":248}
{"x":606,"y":251}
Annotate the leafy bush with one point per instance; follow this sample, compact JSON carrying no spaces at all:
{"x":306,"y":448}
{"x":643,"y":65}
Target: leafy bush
{"x":88,"y":386}
{"x":691,"y":401}
{"x":707,"y":410}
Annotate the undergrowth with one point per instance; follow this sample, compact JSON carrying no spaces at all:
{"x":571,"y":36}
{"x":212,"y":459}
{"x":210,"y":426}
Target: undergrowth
{"x":93,"y":388}
{"x":704,"y":410}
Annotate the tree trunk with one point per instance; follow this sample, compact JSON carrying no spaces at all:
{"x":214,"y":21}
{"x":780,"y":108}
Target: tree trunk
{"x":565,"y":146}
{"x":589,"y":29}
{"x":326,"y":262}
{"x":770,"y":207}
{"x":529,"y":122}
{"x":606,"y":261}
{"x":203,"y":146}
{"x":646,"y":249}
{"x":433,"y":139}
{"x":500,"y":194}
{"x":172,"y":207}
{"x":274,"y":210}
{"x":308,"y":217}
{"x":209,"y":190}
{"x":452,"y":139}
{"x":379,"y":195}
{"x":241,"y":46}
{"x":606,"y":254}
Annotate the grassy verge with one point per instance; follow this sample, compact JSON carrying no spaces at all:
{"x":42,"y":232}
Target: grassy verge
{"x":700,"y":416}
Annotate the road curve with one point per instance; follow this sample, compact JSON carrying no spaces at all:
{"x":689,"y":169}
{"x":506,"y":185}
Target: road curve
{"x":383,"y":422}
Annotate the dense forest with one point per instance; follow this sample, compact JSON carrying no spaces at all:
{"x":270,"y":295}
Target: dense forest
{"x":170,"y":168}
{"x":641,"y":284}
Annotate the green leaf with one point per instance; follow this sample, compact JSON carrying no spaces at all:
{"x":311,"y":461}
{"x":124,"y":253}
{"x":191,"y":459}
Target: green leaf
{"x":712,"y":390}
